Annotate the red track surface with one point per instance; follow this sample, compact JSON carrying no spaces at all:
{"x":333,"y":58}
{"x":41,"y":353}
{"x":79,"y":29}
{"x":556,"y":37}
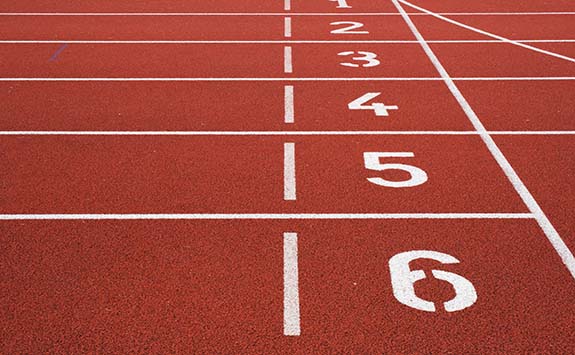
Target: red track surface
{"x":238,"y":246}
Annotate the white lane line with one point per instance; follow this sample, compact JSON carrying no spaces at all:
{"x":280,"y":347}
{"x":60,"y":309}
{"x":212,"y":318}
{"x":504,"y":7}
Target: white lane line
{"x":287,"y":5}
{"x":531,"y":133}
{"x":550,"y":232}
{"x":287,"y":27}
{"x":288,"y":68}
{"x":262,"y":216}
{"x":287,"y":31}
{"x":289,"y":115}
{"x":289,"y":172}
{"x":489,"y":34}
{"x":291,"y":286}
{"x":167,"y":79}
{"x":277,"y":13}
{"x":280,"y":133}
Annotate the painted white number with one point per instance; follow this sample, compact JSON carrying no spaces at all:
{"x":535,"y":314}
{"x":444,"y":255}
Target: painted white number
{"x":368,"y":57}
{"x":372,"y":162}
{"x":341,"y":4}
{"x":379,"y":108}
{"x":403,"y":280}
{"x":348,"y":30}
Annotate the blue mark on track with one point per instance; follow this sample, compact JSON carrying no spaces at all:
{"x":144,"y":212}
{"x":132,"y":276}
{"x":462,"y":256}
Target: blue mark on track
{"x":57,"y":53}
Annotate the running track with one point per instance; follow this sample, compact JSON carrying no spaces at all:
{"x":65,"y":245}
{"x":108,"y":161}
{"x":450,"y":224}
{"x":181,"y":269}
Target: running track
{"x":287,"y":176}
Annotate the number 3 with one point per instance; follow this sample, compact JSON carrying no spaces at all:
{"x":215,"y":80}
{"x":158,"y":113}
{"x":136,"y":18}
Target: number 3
{"x":368,"y":57}
{"x":403,"y":280}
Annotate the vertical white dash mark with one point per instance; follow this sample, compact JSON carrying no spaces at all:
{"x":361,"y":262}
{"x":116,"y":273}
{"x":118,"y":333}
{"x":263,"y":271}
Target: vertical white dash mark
{"x":287,"y":27}
{"x":289,"y":116}
{"x":287,"y":5}
{"x":289,"y":172}
{"x":291,"y":286}
{"x":287,"y":60}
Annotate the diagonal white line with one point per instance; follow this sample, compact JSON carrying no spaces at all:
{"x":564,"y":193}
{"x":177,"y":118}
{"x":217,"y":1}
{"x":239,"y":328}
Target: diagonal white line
{"x":550,"y":231}
{"x":503,"y":39}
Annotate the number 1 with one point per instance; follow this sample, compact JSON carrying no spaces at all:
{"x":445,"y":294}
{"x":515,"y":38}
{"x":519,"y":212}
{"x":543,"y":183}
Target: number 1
{"x":341,"y":4}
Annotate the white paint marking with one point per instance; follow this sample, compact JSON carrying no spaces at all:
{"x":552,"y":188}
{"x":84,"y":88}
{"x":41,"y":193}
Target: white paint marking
{"x":489,"y":34}
{"x":288,"y":68}
{"x":536,"y":78}
{"x":287,"y":27}
{"x":279,"y":133}
{"x":289,"y":115}
{"x":287,"y":5}
{"x":291,"y":286}
{"x":552,"y":235}
{"x":289,"y":172}
{"x":455,"y":41}
{"x":277,"y":13}
{"x":262,"y":216}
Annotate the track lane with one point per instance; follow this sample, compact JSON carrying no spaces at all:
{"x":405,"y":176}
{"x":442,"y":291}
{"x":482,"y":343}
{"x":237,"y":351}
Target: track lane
{"x":522,"y":106}
{"x":547,"y":167}
{"x":500,"y":59}
{"x":210,"y":60}
{"x":495,"y":6}
{"x":197,"y":106}
{"x":516,"y":27}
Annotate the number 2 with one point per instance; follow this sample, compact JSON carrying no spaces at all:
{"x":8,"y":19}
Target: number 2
{"x":349,"y":30}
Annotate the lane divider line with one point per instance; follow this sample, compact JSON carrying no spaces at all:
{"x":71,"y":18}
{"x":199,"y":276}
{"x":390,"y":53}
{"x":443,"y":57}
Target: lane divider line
{"x":289,"y":115}
{"x":288,"y":67}
{"x":291,"y":286}
{"x":260,"y":216}
{"x":550,"y":232}
{"x":287,"y":27}
{"x":279,"y":13}
{"x":168,"y":79}
{"x":281,"y":133}
{"x":287,"y":5}
{"x":287,"y":31}
{"x":489,"y":34}
{"x":289,"y":172}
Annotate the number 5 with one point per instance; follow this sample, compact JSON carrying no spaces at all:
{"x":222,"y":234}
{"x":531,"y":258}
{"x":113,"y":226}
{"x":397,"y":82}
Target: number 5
{"x":403,"y":280}
{"x":372,"y":162}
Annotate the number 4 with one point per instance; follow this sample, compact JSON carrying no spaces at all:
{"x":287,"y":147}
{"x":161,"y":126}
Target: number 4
{"x":379,"y":108}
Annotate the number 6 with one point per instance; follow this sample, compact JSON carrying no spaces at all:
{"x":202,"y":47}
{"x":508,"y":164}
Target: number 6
{"x":372,"y":162}
{"x":403,"y":279}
